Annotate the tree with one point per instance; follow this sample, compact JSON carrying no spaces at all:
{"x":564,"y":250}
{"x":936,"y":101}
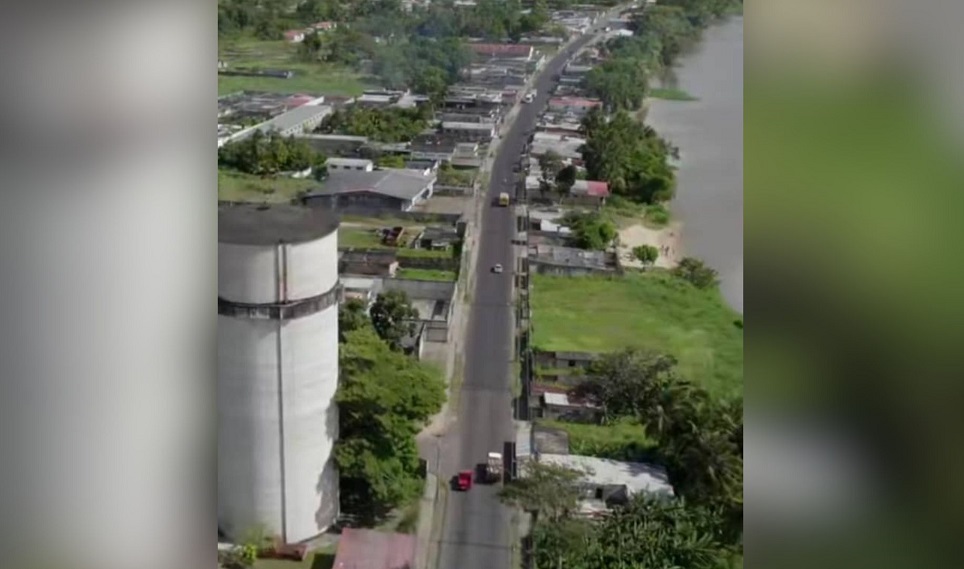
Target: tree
{"x":550,"y":163}
{"x":565,"y":179}
{"x":627,"y":382}
{"x":590,"y":230}
{"x":646,"y":254}
{"x":352,"y":315}
{"x":393,"y":317}
{"x":384,"y":398}
{"x":552,"y":492}
{"x":696,"y":272}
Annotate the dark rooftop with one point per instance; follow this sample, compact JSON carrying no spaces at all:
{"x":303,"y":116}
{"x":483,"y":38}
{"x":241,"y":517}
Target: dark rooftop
{"x":256,"y":224}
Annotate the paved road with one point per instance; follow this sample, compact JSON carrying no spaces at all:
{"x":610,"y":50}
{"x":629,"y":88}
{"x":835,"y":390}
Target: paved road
{"x":476,"y":534}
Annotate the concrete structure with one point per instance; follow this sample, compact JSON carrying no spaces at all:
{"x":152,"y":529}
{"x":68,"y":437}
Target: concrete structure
{"x":397,"y":190}
{"x":573,"y":106}
{"x":297,"y":121}
{"x":277,"y":370}
{"x":565,"y":146}
{"x":608,"y":482}
{"x":370,"y":549}
{"x":502,"y":50}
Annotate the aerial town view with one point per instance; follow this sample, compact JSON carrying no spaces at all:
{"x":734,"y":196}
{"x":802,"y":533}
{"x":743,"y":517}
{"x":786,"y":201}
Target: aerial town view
{"x":480,"y":284}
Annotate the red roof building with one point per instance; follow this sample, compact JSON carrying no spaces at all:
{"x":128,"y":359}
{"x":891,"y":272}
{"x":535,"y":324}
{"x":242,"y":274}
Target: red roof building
{"x":590,"y":188}
{"x":295,"y":36}
{"x":502,"y":50}
{"x":370,"y":549}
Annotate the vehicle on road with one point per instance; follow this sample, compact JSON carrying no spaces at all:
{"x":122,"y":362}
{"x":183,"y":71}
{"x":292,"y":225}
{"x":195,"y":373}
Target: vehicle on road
{"x":493,"y":468}
{"x":464,"y":480}
{"x":504,"y":199}
{"x":497,"y":268}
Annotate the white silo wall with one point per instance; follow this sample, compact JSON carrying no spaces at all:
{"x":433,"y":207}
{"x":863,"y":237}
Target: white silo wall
{"x":269,"y":368}
{"x":252,"y":274}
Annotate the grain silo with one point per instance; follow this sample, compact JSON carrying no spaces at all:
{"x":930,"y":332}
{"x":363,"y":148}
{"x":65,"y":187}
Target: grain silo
{"x":277,"y":370}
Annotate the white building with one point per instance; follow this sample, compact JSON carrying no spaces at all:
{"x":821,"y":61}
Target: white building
{"x":277,"y":370}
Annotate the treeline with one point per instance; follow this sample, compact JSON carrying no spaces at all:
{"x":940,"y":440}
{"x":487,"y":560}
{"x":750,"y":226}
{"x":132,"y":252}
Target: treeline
{"x":699,"y":440}
{"x":629,"y":155}
{"x":384,"y":125}
{"x":267,"y":154}
{"x":384,"y":399}
{"x":661,"y":33}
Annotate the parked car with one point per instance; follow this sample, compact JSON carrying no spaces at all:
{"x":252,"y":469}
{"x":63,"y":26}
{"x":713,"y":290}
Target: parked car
{"x":497,"y":268}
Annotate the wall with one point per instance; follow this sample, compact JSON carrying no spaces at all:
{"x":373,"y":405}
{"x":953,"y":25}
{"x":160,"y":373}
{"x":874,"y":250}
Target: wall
{"x":435,"y":263}
{"x":273,"y":374}
{"x":555,"y":269}
{"x":562,"y":360}
{"x":250,"y":274}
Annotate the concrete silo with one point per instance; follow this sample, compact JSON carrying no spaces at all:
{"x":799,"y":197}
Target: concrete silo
{"x":277,"y":370}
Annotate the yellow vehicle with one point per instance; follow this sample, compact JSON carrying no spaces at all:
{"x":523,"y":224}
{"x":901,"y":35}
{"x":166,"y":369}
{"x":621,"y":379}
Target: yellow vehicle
{"x":503,"y":199}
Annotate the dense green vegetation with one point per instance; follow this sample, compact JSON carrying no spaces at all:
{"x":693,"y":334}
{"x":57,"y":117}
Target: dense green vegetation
{"x":384,"y":125}
{"x":698,"y":438}
{"x":268,"y":154}
{"x":651,"y":310}
{"x":590,"y":230}
{"x":629,"y":155}
{"x":384,"y":398}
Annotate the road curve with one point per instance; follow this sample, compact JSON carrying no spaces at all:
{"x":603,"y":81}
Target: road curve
{"x":476,"y":532}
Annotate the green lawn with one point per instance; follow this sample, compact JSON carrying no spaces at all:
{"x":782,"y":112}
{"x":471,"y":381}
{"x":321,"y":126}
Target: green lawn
{"x":236,"y":186}
{"x":646,"y":310}
{"x":426,"y":275}
{"x":671,"y":94}
{"x":366,"y":238}
{"x":624,"y":440}
{"x":312,"y":78}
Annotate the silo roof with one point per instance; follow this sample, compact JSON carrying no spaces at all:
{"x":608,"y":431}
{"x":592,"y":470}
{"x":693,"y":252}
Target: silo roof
{"x":261,"y":224}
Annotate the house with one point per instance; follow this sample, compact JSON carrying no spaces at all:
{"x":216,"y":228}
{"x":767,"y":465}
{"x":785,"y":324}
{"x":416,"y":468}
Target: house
{"x":568,"y":261}
{"x":469,"y":132}
{"x":295,"y":36}
{"x":557,"y":403}
{"x":355,"y":164}
{"x":398,"y":190}
{"x":438,"y":238}
{"x":568,"y":147}
{"x":433,"y":147}
{"x":608,"y":482}
{"x":504,"y":50}
{"x":324,"y":26}
{"x":575,"y":106}
{"x":589,"y":192}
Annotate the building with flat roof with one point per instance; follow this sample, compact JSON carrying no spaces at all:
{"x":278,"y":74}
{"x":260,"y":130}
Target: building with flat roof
{"x":607,"y":482}
{"x":566,"y":146}
{"x":297,"y":121}
{"x":356,"y":164}
{"x":559,"y":260}
{"x":470,"y":131}
{"x":504,"y":50}
{"x":387,"y":189}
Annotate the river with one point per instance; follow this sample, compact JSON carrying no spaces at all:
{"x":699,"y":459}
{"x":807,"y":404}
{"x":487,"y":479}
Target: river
{"x":709,"y":134}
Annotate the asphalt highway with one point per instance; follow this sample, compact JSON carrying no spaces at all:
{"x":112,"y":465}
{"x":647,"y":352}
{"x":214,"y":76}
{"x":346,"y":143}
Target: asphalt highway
{"x":476,"y":532}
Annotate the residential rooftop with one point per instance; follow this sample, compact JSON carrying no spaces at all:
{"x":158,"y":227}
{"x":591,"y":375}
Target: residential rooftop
{"x":637,"y":477}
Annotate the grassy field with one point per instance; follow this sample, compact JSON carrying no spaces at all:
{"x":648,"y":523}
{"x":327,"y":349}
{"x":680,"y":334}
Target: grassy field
{"x":647,"y":310}
{"x":236,"y":186}
{"x":364,"y":237}
{"x":624,"y":440}
{"x":426,"y":275}
{"x":313,"y":78}
{"x":671,"y":94}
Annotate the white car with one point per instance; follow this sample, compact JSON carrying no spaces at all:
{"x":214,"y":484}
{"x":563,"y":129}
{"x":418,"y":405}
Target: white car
{"x":497,"y":268}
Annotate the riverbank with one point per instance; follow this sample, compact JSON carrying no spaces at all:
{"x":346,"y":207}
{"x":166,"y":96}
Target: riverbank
{"x":708,"y":130}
